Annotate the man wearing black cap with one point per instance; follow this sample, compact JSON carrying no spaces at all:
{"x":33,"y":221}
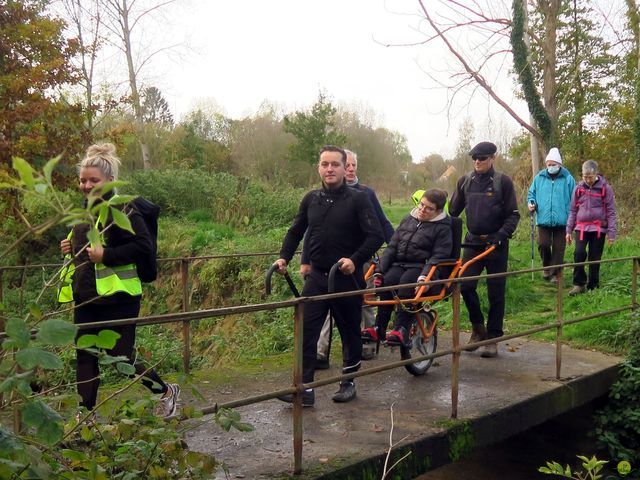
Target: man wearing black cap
{"x":492,"y":216}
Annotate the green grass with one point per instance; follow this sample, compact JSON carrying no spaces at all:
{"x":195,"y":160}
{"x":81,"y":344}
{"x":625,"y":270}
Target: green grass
{"x":244,"y":338}
{"x":532,"y":302}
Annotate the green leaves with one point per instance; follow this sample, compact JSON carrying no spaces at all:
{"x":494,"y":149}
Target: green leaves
{"x":25,"y":171}
{"x":228,"y":418}
{"x":126,"y":368}
{"x":46,"y":421}
{"x":121,"y":220}
{"x":106,"y":339}
{"x":8,"y":442}
{"x":93,"y":236}
{"x":51,"y":332}
{"x":32,"y":357}
{"x":47,"y":170}
{"x":56,"y":332}
{"x":591,"y":465}
{"x":18,"y":332}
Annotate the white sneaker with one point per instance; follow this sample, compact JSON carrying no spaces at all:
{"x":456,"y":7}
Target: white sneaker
{"x":168,"y":404}
{"x":91,"y":418}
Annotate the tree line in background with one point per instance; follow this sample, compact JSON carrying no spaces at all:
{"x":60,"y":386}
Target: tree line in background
{"x":575,"y":65}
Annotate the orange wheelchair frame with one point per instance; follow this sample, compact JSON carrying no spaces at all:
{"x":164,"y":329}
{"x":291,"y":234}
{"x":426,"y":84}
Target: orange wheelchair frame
{"x":423,"y":332}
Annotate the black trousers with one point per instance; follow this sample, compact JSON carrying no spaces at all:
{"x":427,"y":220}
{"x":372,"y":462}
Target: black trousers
{"x":88,"y":369}
{"x":397,"y":275}
{"x":495,"y":262}
{"x":346,"y":313}
{"x":589,"y":248}
{"x":551,"y":245}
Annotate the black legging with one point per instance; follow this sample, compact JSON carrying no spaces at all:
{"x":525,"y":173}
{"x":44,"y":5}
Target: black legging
{"x":397,"y":275}
{"x":88,"y":369}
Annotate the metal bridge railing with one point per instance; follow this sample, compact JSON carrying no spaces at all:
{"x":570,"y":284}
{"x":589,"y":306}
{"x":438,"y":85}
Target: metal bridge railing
{"x":186,"y":317}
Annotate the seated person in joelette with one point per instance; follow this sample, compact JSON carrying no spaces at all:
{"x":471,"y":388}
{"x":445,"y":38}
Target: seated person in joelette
{"x":422,"y":239}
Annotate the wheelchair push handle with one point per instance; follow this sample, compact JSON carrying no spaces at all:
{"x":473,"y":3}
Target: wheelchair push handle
{"x":488,"y":248}
{"x":331,"y":281}
{"x":479,"y":246}
{"x":287,"y":277}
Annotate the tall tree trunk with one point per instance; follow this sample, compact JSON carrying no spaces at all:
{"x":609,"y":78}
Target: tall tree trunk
{"x":633,"y":14}
{"x":133,"y":84}
{"x":579,"y":107}
{"x":536,"y":158}
{"x":550,"y":9}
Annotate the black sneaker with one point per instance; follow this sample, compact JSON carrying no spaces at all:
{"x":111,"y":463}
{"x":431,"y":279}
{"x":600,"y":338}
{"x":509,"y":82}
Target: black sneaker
{"x":308,"y":398}
{"x":322,"y":363}
{"x":346,"y":393}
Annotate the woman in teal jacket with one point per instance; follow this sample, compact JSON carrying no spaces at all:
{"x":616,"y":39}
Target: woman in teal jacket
{"x":550,"y":196}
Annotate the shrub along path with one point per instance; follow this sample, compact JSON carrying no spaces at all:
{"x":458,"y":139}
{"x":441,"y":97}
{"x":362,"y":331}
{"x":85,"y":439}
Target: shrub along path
{"x":498,"y":397}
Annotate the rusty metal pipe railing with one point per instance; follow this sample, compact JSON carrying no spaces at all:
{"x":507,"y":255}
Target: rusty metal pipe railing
{"x":559,"y":316}
{"x":186,"y":317}
{"x":400,"y":363}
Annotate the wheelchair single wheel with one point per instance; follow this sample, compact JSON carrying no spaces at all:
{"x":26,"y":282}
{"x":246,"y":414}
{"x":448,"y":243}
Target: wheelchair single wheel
{"x":420,"y":345}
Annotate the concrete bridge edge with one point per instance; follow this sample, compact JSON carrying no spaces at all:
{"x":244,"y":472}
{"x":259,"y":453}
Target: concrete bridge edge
{"x":462,"y":436}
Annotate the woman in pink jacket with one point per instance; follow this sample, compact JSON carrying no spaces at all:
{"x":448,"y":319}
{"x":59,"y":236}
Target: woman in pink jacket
{"x":592,"y":217}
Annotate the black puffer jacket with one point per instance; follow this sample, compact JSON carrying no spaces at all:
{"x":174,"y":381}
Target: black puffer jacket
{"x":415,"y":242}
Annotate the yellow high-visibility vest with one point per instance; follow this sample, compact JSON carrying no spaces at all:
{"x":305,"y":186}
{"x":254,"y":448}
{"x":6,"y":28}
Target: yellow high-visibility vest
{"x":109,"y":280}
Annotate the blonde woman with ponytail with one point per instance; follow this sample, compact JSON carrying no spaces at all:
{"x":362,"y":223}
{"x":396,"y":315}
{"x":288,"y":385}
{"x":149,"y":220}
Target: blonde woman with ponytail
{"x":104,"y":284}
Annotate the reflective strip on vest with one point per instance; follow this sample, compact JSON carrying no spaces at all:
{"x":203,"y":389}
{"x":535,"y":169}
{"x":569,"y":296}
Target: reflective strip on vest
{"x":109,"y":280}
{"x":123,"y":278}
{"x":65,"y":292}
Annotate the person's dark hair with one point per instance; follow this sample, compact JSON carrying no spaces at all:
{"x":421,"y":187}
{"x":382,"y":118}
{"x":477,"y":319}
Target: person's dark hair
{"x":437,"y":197}
{"x":333,"y":148}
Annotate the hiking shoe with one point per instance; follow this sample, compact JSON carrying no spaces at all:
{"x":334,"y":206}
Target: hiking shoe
{"x":346,"y":393}
{"x":399,"y":337}
{"x":489,"y":351}
{"x":308,"y":398}
{"x":478,"y":333}
{"x":577,"y":290}
{"x":553,"y":279}
{"x":370,"y":335}
{"x":168,"y":404}
{"x":322,"y":363}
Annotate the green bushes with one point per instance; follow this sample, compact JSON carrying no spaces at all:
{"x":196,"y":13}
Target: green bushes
{"x":618,"y":424}
{"x":219,"y":197}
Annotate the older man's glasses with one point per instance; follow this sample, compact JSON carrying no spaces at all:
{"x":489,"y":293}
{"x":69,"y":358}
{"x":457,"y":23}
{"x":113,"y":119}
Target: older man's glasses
{"x":480,"y":158}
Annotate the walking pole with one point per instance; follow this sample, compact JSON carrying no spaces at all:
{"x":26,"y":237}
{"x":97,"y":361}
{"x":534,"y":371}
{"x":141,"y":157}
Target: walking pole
{"x":533,"y":238}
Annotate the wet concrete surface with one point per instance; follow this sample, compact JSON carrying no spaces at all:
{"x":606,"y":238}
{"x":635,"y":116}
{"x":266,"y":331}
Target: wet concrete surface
{"x":341,"y":434}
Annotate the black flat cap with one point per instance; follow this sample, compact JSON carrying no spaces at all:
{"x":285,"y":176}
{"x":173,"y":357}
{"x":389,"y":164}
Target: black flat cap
{"x":483,"y":148}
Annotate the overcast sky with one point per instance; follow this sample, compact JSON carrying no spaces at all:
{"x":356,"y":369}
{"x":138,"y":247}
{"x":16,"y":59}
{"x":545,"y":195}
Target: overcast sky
{"x":285,"y":51}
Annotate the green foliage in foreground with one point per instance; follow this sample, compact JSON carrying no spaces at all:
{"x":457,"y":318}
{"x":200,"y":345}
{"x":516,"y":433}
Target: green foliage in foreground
{"x":49,"y":440}
{"x":592,"y":467}
{"x":618,"y":423}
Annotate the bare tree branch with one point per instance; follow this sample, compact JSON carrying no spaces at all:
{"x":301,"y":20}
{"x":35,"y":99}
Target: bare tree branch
{"x":477,"y":77}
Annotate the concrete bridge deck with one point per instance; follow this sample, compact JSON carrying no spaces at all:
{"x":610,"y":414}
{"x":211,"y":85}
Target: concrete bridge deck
{"x":498,"y":398}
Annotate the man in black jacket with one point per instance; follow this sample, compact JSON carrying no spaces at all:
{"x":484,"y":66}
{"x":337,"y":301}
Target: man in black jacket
{"x":368,"y":316}
{"x":342,"y":227}
{"x":489,"y":199}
